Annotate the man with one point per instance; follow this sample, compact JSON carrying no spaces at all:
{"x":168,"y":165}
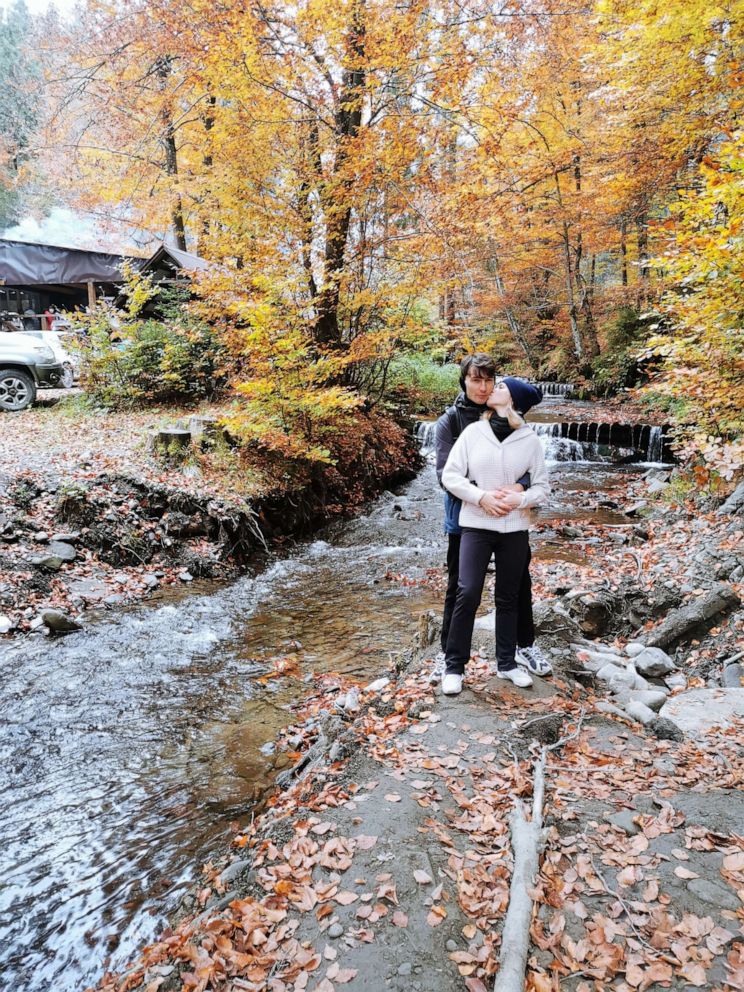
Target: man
{"x":477,"y":378}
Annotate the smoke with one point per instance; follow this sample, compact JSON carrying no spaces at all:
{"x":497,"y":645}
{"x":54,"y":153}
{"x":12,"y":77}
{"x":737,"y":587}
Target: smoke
{"x":69,"y":229}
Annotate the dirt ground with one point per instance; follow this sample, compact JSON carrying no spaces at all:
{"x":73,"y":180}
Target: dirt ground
{"x":388,"y":865}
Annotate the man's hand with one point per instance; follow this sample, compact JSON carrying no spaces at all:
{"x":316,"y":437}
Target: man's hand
{"x":517,"y":487}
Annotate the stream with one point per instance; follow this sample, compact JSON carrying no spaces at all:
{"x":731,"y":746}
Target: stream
{"x":127,"y":749}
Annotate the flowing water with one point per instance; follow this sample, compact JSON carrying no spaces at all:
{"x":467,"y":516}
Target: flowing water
{"x":127,"y":749}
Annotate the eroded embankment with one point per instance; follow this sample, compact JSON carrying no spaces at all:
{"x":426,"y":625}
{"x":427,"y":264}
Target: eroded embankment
{"x":73,"y":538}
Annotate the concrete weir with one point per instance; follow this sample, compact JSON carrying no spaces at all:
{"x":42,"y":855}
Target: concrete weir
{"x":650,"y":442}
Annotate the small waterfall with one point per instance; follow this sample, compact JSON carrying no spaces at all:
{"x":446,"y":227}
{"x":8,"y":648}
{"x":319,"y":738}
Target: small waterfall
{"x":655,"y":449}
{"x":564,"y":389}
{"x":547,"y":430}
{"x":426,"y":431}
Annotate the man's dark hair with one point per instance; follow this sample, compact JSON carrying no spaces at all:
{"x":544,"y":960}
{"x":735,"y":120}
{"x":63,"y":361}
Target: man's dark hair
{"x":480,"y":364}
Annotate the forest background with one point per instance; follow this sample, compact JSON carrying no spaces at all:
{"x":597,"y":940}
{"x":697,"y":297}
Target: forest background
{"x":381,"y":186}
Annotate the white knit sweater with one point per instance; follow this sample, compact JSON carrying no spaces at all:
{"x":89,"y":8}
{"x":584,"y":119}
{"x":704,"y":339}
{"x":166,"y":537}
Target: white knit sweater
{"x":479,"y":463}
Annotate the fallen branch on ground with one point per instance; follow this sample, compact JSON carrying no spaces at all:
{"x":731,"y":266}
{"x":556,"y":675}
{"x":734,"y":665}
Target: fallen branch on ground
{"x":527,"y":842}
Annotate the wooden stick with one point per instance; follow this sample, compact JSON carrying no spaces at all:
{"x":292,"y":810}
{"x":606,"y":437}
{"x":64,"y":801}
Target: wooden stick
{"x":527,"y":842}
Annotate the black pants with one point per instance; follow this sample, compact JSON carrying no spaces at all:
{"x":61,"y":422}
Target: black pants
{"x":511,"y":554}
{"x":525,"y":625}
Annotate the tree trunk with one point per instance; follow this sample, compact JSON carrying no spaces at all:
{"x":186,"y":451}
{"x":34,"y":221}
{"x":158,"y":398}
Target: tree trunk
{"x":511,"y":318}
{"x":623,"y":252}
{"x":163,"y":70}
{"x":338,"y":201}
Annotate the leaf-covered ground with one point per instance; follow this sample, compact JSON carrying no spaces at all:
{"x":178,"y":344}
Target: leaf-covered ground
{"x":388,"y":865}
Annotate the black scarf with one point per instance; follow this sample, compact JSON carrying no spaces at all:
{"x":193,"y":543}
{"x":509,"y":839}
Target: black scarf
{"x":500,"y":427}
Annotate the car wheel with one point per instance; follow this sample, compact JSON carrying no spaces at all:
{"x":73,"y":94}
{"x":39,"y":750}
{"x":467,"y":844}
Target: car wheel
{"x":17,"y":390}
{"x":68,"y":376}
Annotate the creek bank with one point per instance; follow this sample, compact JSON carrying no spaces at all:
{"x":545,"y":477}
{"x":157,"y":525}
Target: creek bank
{"x":384,"y":861}
{"x":81,"y":536}
{"x":399,"y":783}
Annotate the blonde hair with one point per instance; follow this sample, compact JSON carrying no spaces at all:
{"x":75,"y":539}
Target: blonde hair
{"x":514,"y":419}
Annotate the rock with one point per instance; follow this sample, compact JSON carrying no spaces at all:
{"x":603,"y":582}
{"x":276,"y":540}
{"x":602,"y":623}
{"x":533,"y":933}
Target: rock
{"x":697,"y":710}
{"x":545,"y":729}
{"x":486,"y":622}
{"x":636,"y":508}
{"x":665,"y":730}
{"x":624,"y":820}
{"x":676,"y":680}
{"x":185,"y":576}
{"x":121,"y":578}
{"x":619,"y":679}
{"x":595,"y":660}
{"x":714,"y":893}
{"x":611,"y":710}
{"x":6,"y":624}
{"x":151,"y":581}
{"x":350,"y":703}
{"x":88,"y":589}
{"x":59,"y":622}
{"x":733,"y":676}
{"x":653,"y":698}
{"x":735,"y":502}
{"x":405,"y":969}
{"x":67,"y":537}
{"x":638,"y":711}
{"x":36,"y":623}
{"x":378,"y":685}
{"x":62,"y":550}
{"x":656,"y":486}
{"x":234,"y":869}
{"x":653,"y":661}
{"x":114,"y":600}
{"x":41,"y":536}
{"x":335,"y":930}
{"x":634,"y":648}
{"x":50,"y":563}
{"x":451,"y":945}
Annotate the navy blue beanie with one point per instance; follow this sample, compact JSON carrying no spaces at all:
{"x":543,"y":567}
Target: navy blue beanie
{"x":524,"y":395}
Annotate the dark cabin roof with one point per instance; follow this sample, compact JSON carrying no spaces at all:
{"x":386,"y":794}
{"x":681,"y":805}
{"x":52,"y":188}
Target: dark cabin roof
{"x":23,"y":263}
{"x":168,"y":261}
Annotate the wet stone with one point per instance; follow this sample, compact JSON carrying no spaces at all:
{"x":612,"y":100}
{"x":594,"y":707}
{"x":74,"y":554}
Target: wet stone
{"x":451,"y":945}
{"x":335,"y":930}
{"x":50,"y":563}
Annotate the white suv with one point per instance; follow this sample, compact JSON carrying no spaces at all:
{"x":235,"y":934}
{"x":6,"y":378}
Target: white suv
{"x":62,"y":355}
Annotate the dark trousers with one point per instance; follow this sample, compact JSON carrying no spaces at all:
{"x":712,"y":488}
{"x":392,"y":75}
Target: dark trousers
{"x":525,"y":625}
{"x":511,"y":556}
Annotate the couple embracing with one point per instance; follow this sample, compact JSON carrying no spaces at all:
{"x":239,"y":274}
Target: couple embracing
{"x":492,"y":468}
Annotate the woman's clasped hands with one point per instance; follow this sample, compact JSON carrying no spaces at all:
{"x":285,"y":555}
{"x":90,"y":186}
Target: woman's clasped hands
{"x":499,"y":502}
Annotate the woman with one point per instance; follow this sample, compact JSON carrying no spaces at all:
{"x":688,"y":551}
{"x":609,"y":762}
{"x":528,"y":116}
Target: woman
{"x":488,"y":455}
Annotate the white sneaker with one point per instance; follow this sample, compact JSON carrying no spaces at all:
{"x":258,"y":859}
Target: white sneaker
{"x":452,"y":684}
{"x":516,"y":675}
{"x":435,"y":675}
{"x":534,"y":661}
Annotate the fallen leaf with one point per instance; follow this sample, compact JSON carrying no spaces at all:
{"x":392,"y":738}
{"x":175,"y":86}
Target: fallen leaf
{"x":681,"y":872}
{"x":345,"y":898}
{"x":365,"y":842}
{"x":734,"y":862}
{"x":345,"y":975}
{"x":392,"y":797}
{"x":422,"y":878}
{"x":399,"y":919}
